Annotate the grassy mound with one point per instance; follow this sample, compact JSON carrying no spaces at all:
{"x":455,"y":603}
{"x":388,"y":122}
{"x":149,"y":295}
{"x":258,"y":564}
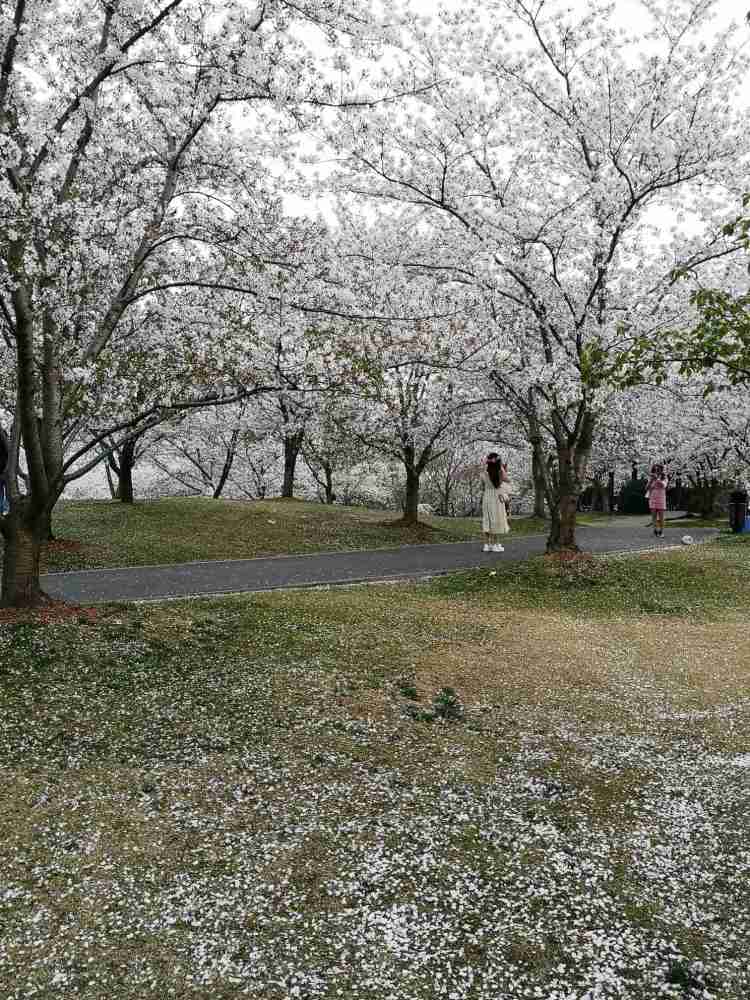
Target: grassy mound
{"x":93,"y":534}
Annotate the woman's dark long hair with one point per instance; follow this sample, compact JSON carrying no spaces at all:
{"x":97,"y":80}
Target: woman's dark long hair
{"x":493,"y":469}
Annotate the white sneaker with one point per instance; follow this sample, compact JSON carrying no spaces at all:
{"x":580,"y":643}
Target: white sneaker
{"x":498,"y":548}
{"x":487,"y":548}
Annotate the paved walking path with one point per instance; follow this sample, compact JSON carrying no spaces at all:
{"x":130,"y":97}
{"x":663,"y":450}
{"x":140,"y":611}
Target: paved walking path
{"x":139,"y":583}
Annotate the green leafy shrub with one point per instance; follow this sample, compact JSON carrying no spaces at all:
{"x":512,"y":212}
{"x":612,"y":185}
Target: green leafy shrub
{"x":447,"y":706}
{"x":632,"y":497}
{"x":407,"y":688}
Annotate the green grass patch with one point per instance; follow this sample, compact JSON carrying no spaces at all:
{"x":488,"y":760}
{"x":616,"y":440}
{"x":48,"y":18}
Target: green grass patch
{"x":598,"y":519}
{"x":687,"y":523}
{"x":93,"y":534}
{"x":705,"y":581}
{"x":595,"y":517}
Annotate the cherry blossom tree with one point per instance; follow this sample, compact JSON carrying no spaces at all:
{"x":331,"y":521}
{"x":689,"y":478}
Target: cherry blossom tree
{"x":329,"y":448}
{"x":409,"y":406}
{"x":540,"y":158}
{"x":717,"y":338}
{"x":712,"y":449}
{"x":201,"y":451}
{"x":451,"y":480}
{"x":142,"y":231}
{"x":406,"y":371}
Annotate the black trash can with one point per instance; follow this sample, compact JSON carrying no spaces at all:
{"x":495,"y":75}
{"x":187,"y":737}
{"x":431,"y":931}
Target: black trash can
{"x":737,"y":510}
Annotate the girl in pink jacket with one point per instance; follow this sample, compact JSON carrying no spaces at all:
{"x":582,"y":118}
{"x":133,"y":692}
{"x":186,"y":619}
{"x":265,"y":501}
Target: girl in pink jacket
{"x":656,"y":492}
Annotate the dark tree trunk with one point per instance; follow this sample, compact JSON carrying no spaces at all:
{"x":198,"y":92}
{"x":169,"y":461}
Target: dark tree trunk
{"x":23,"y":536}
{"x":611,"y":490}
{"x":563,"y":529}
{"x":446,"y":494}
{"x":411,"y":499}
{"x":228,"y":463}
{"x":25,"y":527}
{"x":125,"y":472}
{"x":573,"y":450}
{"x":445,"y":497}
{"x":292,"y":445}
{"x":46,"y":528}
{"x":328,"y":473}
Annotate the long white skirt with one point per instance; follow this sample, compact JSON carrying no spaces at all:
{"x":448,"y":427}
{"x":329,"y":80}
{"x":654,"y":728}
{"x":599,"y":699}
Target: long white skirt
{"x":494,"y":516}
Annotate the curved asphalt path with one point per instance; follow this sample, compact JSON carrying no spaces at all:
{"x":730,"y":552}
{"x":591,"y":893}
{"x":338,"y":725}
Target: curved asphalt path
{"x":409,"y":562}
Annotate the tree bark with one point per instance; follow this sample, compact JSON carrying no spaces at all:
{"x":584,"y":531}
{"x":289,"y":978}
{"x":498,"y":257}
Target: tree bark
{"x":573,"y":450}
{"x":445,"y":497}
{"x":411,"y":499}
{"x":228,"y":463}
{"x":328,"y":473}
{"x":292,"y":445}
{"x":23,"y":529}
{"x":46,"y":527}
{"x":562,"y":534}
{"x":125,"y":472}
{"x":23,"y":538}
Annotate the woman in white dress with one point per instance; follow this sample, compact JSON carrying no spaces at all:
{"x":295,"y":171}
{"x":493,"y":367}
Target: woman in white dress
{"x":494,"y":515}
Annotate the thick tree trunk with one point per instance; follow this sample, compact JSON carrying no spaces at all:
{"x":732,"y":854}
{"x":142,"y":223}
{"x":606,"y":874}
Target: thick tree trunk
{"x":125,"y":484}
{"x":292,"y":445}
{"x":125,"y":472}
{"x":573,"y":450}
{"x":611,"y":490}
{"x":46,"y":529}
{"x":25,"y":528}
{"x":20,"y":579}
{"x":411,"y":499}
{"x":328,"y":473}
{"x":562,"y":534}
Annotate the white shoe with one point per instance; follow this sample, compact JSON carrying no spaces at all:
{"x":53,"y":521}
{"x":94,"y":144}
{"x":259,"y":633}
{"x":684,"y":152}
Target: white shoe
{"x":487,"y":548}
{"x":498,"y":548}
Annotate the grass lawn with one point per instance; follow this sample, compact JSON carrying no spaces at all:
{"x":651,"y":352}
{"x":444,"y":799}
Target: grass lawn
{"x":96,"y":534}
{"x":697,"y":522}
{"x":502,"y":784}
{"x":597,"y":519}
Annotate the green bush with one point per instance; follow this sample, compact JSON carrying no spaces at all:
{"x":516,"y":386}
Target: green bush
{"x":632,"y":499}
{"x":710,"y":500}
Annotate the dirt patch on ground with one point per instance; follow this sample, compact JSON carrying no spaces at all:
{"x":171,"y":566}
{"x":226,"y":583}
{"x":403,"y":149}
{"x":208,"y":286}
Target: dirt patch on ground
{"x":50,"y":613}
{"x":593,"y":667}
{"x":63,"y":545}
